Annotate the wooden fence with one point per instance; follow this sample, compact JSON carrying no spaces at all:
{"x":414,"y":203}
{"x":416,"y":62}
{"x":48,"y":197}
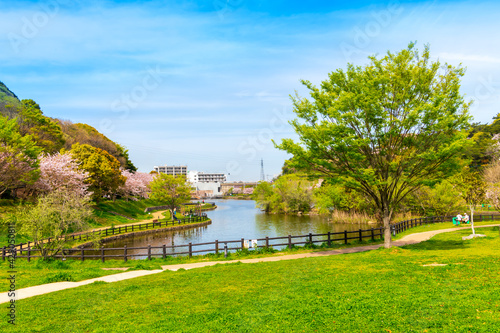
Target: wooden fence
{"x":402,"y":226}
{"x":211,"y":247}
{"x":86,"y":236}
{"x":217,"y":246}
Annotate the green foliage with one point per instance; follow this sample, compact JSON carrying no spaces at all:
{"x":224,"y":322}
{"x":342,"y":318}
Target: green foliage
{"x":18,"y":157}
{"x":331,"y":197}
{"x":288,"y":194}
{"x":471,"y":187}
{"x":86,"y":134}
{"x":55,"y":214}
{"x":104,"y":170}
{"x":441,"y":199}
{"x":9,"y":102}
{"x":486,"y":146}
{"x":45,"y":131}
{"x":172,"y":190}
{"x":383,"y":129}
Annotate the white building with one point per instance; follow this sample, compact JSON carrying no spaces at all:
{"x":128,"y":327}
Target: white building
{"x":173,"y":170}
{"x":207,"y":182}
{"x":202,"y":177}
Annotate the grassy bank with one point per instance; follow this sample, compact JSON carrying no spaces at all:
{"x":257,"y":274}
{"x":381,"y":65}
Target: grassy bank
{"x":36,"y":273}
{"x":378,"y":291}
{"x":106,"y":214}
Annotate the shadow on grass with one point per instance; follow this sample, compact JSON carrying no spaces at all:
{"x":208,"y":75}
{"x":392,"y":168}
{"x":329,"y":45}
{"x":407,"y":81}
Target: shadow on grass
{"x":433,"y":244}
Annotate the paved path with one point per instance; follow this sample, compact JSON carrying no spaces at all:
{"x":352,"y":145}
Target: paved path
{"x":48,"y":288}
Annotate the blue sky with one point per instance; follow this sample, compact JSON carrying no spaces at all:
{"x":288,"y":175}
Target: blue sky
{"x":207,"y":83}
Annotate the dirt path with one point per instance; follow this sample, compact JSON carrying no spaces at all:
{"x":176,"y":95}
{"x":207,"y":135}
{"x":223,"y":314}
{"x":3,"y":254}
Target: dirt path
{"x":48,"y":288}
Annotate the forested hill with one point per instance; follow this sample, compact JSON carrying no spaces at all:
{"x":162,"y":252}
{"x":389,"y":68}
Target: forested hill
{"x":54,"y":134}
{"x":9,"y":103}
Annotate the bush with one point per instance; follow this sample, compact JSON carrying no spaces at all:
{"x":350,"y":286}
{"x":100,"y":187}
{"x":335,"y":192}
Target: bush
{"x":58,"y":277}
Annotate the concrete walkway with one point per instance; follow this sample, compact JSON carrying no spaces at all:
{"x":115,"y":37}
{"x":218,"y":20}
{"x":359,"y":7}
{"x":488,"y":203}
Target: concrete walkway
{"x":48,"y":288}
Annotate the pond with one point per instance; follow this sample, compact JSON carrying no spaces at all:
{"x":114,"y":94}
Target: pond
{"x":233,"y":220}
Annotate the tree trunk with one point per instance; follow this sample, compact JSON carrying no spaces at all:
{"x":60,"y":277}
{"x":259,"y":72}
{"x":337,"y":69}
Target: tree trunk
{"x":387,"y":229}
{"x":472,"y":219}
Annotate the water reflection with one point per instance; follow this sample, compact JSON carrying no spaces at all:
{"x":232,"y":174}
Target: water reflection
{"x":233,"y":220}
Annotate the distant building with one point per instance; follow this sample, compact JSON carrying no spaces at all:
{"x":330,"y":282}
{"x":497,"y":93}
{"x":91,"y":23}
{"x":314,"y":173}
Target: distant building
{"x":173,"y":170}
{"x":202,"y":177}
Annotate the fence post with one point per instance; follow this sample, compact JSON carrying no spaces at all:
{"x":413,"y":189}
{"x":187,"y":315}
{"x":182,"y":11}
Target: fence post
{"x":360,"y":236}
{"x":267,"y":241}
{"x":82,"y":254}
{"x":102,"y":253}
{"x":190,"y":250}
{"x":149,"y":251}
{"x":242,"y":243}
{"x":225,"y":250}
{"x":164,"y":251}
{"x":373,"y":235}
{"x":3,"y":253}
{"x":310,"y":238}
{"x":29,"y":254}
{"x":106,"y":233}
{"x":216,"y":246}
{"x":329,"y":239}
{"x":345,"y":236}
{"x":125,"y":253}
{"x":289,"y":241}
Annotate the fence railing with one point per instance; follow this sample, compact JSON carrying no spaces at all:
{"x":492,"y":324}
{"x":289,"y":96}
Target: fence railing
{"x":191,"y":249}
{"x":150,"y":209}
{"x":402,"y":226}
{"x":87,"y":236}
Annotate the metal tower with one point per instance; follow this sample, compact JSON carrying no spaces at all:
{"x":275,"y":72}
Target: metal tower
{"x":262,"y":176}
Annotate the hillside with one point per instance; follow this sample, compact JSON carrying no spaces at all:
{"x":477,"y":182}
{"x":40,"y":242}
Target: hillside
{"x":53,"y":134}
{"x":9,"y":102}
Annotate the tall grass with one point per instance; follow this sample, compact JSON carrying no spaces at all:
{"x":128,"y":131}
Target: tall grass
{"x":351,"y":217}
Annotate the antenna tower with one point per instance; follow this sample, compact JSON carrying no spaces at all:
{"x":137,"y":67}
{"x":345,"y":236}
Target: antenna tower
{"x":262,"y":176}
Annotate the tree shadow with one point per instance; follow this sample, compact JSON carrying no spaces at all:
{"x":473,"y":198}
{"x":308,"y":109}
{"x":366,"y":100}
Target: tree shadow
{"x":433,"y":245}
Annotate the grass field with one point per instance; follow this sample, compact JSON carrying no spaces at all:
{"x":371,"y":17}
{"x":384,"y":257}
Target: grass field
{"x":377,"y":291}
{"x":39,"y":272}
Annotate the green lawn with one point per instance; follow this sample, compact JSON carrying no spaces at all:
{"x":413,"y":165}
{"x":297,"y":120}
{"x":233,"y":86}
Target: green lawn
{"x":378,"y":291}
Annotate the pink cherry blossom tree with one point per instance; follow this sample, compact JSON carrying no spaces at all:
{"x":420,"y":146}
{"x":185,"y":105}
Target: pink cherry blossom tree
{"x":60,"y":171}
{"x":136,"y":184}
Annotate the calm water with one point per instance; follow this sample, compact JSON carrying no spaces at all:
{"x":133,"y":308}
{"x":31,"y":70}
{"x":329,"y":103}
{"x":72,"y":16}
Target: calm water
{"x":233,"y":220}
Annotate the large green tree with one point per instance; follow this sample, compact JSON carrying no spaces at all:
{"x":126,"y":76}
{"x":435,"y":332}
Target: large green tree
{"x":172,"y":190}
{"x":18,"y":157}
{"x":104,"y":175}
{"x":383,"y":129}
{"x":288,"y":194}
{"x":45,"y":131}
